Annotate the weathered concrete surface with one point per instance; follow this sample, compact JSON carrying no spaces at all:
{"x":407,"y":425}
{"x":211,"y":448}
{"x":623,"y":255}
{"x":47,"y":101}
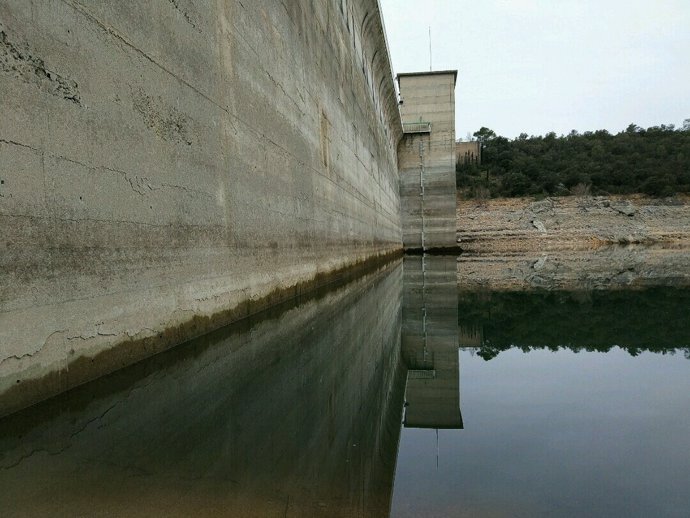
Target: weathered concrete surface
{"x":167,"y":166}
{"x":427,"y":160}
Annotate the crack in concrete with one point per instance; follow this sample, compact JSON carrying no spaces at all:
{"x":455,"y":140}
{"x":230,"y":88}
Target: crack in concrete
{"x":140,"y":184}
{"x":109,"y":30}
{"x":188,"y":189}
{"x":22,"y":64}
{"x":81,"y":9}
{"x":72,"y":436}
{"x":185,"y":14}
{"x":16,"y":358}
{"x":282,"y":88}
{"x":86,"y":337}
{"x":19,"y":144}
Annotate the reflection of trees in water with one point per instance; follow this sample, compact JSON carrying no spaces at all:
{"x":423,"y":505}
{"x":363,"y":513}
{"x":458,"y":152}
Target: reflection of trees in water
{"x":653,"y":320}
{"x":489,"y":351}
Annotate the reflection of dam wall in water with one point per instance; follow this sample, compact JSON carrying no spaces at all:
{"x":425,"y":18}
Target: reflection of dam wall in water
{"x":169,"y":166}
{"x":298,"y":415}
{"x":430,"y":342}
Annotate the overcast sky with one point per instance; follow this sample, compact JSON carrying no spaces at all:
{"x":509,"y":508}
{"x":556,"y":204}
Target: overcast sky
{"x":536,"y":66}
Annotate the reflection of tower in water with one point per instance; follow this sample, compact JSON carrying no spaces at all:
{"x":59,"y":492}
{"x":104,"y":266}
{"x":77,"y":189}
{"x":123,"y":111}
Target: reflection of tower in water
{"x":430,"y":342}
{"x":470,"y":336}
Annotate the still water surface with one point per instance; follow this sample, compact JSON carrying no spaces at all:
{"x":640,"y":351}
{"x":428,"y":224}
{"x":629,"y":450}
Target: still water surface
{"x":396,"y":394}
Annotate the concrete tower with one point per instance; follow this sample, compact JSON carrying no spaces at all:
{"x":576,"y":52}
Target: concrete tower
{"x":426,"y":159}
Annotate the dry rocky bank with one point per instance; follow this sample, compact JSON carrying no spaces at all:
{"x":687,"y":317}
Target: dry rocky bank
{"x":571,"y":223}
{"x":574,"y":243}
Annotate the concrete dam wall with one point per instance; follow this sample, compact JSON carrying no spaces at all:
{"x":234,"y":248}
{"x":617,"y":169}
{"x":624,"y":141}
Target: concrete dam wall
{"x":168,"y":166}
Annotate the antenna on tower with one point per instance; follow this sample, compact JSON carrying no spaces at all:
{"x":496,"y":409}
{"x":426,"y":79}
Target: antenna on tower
{"x":436,"y":449}
{"x":430,"y":56}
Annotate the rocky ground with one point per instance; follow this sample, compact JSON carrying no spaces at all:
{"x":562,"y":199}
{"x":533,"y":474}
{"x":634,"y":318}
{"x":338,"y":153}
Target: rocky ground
{"x":574,"y":243}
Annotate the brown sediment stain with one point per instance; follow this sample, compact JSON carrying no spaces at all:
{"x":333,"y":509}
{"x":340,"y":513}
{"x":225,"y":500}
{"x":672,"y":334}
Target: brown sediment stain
{"x":83,"y":369}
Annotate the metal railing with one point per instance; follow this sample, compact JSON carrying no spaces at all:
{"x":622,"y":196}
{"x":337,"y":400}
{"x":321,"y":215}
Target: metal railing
{"x":421,"y":374}
{"x":416,"y":127}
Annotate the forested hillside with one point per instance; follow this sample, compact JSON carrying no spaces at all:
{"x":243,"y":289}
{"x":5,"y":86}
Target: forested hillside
{"x":654,"y":161}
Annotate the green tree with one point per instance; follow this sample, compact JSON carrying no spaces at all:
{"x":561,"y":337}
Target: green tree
{"x":484,"y":135}
{"x":655,"y":161}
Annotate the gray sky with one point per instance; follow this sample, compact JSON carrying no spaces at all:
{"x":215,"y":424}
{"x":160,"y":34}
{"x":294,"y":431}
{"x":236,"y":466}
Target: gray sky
{"x":551,"y":65}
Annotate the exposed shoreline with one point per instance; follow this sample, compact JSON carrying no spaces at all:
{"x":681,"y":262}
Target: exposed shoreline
{"x":574,"y":243}
{"x":571,"y":223}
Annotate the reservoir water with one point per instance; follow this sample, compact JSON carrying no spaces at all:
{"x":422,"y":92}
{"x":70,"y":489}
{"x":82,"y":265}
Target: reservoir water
{"x":400,"y":393}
